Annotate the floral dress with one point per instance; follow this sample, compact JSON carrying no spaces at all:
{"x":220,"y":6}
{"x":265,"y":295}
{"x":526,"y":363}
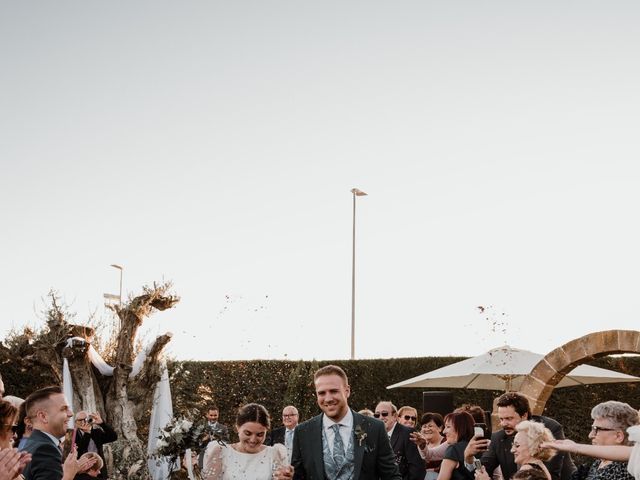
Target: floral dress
{"x":223,"y":462}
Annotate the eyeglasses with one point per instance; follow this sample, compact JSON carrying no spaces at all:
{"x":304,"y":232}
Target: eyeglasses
{"x":596,"y":429}
{"x":409,"y":417}
{"x":81,"y":420}
{"x":287,"y":415}
{"x":384,"y":414}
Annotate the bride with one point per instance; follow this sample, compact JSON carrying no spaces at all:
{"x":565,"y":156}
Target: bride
{"x":249,"y":458}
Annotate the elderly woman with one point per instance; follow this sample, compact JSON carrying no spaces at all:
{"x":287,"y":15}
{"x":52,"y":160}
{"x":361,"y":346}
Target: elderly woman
{"x":528,"y":451}
{"x":431,"y":430}
{"x":613,"y":422}
{"x":408,"y":416}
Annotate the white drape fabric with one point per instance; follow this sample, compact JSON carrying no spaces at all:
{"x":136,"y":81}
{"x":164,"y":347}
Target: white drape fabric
{"x":161,"y":414}
{"x":103,"y":367}
{"x":162,"y":410}
{"x":67,"y":386}
{"x":634,"y":460}
{"x":187,"y":461}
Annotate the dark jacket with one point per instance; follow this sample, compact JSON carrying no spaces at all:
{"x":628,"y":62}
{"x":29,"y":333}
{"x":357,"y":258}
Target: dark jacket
{"x":373,"y":457}
{"x":499,"y":453}
{"x":275,"y":436}
{"x":46,"y":458}
{"x":100,"y":434}
{"x":410,"y":464}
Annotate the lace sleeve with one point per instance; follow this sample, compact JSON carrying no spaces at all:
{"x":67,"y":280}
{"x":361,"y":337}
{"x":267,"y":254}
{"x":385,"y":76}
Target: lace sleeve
{"x":212,"y":467}
{"x":280,"y":456}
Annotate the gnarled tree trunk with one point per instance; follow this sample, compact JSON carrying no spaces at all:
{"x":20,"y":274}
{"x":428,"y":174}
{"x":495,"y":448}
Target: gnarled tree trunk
{"x":122,"y":401}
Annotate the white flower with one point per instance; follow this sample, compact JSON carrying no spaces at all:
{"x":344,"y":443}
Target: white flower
{"x":186,"y":425}
{"x":161,"y":443}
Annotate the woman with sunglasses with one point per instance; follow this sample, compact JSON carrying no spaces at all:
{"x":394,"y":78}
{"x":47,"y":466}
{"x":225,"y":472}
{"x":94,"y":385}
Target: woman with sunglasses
{"x":407,"y":416}
{"x":12,"y":462}
{"x":8,"y":414}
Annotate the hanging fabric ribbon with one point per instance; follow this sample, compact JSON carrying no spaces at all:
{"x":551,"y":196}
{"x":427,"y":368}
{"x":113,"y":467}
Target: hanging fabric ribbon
{"x":161,"y":414}
{"x":67,"y":386}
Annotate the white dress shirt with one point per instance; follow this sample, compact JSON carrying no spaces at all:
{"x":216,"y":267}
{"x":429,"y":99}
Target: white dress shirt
{"x":346,"y":429}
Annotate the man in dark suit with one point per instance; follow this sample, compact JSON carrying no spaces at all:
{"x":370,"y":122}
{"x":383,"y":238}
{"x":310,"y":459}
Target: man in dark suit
{"x":513,"y":408}
{"x":91,"y":434}
{"x":214,"y":427}
{"x":285,"y":434}
{"x":49,"y":413}
{"x":410,"y":464}
{"x":341,"y":444}
{"x":214,"y":431}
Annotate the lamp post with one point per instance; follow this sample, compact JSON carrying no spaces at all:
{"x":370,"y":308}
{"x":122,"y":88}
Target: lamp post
{"x":119,"y":296}
{"x":356,"y":193}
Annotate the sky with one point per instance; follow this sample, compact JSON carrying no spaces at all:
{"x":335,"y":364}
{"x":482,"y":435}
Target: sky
{"x":214,"y":145}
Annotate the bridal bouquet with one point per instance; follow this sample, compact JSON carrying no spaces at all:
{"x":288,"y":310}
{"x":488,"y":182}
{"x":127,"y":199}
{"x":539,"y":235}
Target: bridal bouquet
{"x":178,"y":436}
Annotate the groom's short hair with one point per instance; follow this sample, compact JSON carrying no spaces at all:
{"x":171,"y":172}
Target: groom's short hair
{"x":331,"y":370}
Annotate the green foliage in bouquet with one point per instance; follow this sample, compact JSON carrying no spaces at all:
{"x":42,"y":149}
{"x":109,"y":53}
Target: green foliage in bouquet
{"x":179,"y":435}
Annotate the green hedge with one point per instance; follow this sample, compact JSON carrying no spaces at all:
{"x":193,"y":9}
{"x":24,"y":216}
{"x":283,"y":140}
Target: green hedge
{"x":276,"y":383}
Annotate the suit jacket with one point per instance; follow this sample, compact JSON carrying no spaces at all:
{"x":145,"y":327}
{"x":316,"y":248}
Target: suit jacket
{"x":100,"y":434}
{"x":275,"y":436}
{"x":373,"y":457}
{"x":499,"y":453}
{"x":46,"y":458}
{"x":222,"y":430}
{"x":408,"y":459}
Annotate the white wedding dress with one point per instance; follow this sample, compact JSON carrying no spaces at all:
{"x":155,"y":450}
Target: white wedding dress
{"x":223,"y":462}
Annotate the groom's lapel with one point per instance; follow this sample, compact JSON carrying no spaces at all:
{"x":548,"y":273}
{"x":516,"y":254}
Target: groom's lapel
{"x":315,"y":444}
{"x":358,"y":446}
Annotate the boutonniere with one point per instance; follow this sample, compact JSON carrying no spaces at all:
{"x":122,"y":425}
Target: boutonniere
{"x":361,"y":435}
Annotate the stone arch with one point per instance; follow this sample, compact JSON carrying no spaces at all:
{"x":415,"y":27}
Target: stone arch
{"x":548,"y":372}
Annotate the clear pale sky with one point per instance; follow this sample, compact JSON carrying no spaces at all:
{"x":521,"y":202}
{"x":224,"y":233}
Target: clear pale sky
{"x":214,"y":144}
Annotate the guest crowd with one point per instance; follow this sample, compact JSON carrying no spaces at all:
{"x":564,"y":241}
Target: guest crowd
{"x":385,"y":442}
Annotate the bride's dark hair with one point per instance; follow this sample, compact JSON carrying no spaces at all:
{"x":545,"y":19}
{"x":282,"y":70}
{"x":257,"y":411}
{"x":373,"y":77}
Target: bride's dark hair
{"x":253,"y":412}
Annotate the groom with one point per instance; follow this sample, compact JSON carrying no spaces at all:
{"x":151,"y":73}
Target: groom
{"x":340,"y":444}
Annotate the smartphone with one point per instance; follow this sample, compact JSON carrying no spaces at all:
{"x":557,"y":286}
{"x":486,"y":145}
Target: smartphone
{"x":477,"y":464}
{"x":480,"y":431}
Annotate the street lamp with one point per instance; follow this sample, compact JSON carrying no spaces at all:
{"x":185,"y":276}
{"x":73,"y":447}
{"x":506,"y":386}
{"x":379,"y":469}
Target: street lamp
{"x":119,"y":268}
{"x":356,"y":193}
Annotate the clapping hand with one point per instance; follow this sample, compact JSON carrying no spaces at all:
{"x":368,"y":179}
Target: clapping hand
{"x":74,"y":465}
{"x":86,"y":461}
{"x":12,"y":462}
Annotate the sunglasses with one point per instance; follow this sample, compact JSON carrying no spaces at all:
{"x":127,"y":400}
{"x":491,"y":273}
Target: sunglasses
{"x":384,"y":414}
{"x":409,"y":417}
{"x":14,"y":428}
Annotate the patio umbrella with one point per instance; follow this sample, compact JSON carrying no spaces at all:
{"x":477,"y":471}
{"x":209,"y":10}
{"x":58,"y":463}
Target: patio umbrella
{"x":504,"y":368}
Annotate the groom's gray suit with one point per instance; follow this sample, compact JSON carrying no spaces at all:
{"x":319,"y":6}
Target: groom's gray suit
{"x":372,"y":456}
